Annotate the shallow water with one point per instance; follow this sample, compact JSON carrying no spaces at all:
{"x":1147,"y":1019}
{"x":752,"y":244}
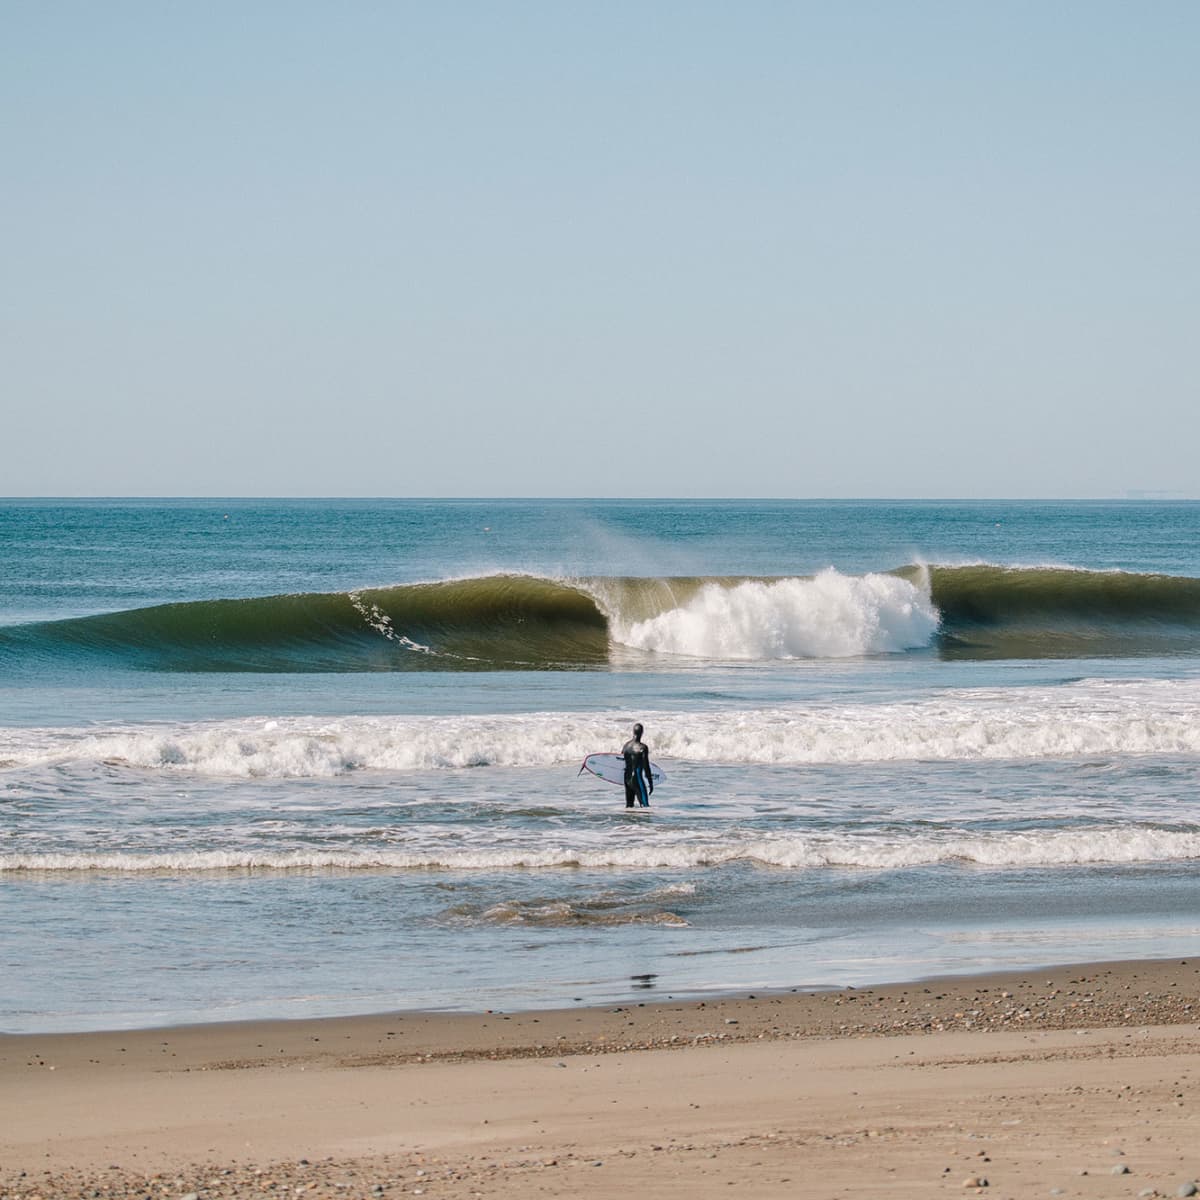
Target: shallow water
{"x":237,"y":821}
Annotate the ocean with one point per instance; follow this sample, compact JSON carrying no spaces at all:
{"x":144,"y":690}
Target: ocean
{"x":315,"y":757}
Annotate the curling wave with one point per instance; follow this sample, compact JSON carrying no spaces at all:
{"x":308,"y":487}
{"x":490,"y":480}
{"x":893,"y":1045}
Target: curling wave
{"x":515,"y":622}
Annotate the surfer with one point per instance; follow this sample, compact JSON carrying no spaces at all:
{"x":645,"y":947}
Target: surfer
{"x":639,"y":783}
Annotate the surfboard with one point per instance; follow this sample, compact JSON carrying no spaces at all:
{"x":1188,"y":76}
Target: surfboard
{"x":611,"y":768}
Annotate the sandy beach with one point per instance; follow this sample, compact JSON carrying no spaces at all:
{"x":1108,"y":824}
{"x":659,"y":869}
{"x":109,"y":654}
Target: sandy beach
{"x":1075,"y":1081}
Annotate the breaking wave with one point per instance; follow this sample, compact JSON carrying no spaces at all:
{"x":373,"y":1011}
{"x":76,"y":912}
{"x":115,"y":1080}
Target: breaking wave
{"x":515,"y":622}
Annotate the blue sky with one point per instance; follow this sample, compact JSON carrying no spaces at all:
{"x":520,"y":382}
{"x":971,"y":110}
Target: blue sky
{"x":764,"y":249}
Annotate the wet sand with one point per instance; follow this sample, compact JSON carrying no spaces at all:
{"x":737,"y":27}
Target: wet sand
{"x":1073,"y":1078}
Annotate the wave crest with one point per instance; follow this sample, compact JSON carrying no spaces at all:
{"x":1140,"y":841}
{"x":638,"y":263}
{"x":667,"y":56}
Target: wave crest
{"x":523,"y":622}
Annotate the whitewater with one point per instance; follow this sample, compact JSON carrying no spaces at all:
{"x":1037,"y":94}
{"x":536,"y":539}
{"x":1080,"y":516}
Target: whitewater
{"x":1089,"y":717}
{"x":286,"y":758}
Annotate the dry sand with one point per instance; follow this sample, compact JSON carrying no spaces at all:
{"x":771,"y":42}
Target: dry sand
{"x":1075,"y":1081}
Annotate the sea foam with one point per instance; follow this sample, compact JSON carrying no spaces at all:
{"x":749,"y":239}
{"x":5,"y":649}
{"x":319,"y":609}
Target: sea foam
{"x":867,"y":851}
{"x":829,"y":616}
{"x":956,"y":725}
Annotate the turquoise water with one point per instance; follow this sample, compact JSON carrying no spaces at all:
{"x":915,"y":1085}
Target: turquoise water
{"x":282,"y":758}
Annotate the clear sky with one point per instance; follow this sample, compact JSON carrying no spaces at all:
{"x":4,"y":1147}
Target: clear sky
{"x":608,"y":248}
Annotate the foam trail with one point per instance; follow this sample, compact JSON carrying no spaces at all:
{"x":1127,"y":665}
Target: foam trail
{"x":879,"y":852}
{"x":829,"y":616}
{"x":1137,"y":718}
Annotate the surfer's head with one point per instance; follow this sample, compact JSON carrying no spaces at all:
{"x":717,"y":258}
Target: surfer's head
{"x":637,"y":731}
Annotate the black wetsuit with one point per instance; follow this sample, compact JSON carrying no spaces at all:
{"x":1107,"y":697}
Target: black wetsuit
{"x":638,"y":781}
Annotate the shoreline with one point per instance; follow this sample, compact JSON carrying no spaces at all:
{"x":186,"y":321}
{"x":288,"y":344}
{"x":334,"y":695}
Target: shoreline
{"x":937,"y":1008}
{"x":460,"y":1105}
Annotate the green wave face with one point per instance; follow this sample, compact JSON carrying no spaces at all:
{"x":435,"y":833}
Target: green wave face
{"x":519,"y":622}
{"x":495,"y":623}
{"x":1049,"y":612}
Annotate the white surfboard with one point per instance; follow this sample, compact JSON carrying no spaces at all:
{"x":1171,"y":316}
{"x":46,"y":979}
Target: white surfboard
{"x":611,"y":768}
